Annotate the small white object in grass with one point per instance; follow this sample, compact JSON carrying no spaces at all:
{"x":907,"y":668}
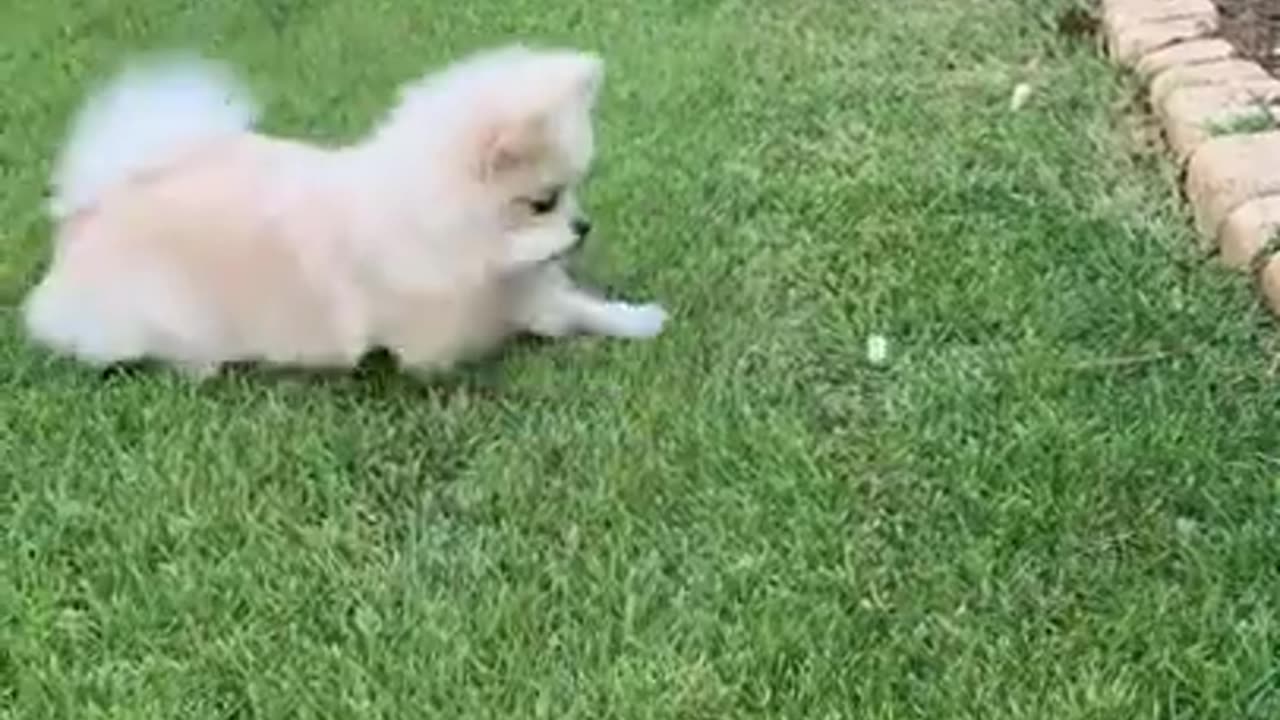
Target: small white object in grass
{"x":877,"y":350}
{"x":1021,"y":94}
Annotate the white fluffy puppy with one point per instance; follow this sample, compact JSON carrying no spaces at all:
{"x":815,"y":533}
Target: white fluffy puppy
{"x":185,"y":236}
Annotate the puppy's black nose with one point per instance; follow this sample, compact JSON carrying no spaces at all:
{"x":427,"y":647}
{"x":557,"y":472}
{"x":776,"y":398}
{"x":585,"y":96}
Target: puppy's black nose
{"x":581,"y":227}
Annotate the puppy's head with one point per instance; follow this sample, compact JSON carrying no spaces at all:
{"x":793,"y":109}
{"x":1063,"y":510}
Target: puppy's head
{"x":535,"y":150}
{"x":494,"y":147}
{"x":503,"y":137}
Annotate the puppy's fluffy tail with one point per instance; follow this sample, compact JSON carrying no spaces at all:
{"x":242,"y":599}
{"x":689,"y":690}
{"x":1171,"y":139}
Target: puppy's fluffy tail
{"x":153,"y":111}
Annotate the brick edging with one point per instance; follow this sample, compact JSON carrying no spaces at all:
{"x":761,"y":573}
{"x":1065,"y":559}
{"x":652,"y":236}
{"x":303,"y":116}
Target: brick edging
{"x":1210,"y":103}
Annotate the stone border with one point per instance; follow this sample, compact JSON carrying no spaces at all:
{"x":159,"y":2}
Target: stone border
{"x":1205,"y":96}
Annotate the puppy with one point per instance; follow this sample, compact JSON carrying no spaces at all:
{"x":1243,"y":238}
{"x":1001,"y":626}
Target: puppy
{"x":182,"y":235}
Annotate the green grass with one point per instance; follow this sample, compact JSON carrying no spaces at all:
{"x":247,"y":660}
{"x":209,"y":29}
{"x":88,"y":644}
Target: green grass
{"x":1257,"y":120}
{"x":1059,"y":499}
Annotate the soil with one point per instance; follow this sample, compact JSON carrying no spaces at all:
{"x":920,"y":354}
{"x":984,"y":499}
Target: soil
{"x":1253,"y":26}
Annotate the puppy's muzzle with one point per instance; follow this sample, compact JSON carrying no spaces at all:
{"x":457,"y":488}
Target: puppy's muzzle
{"x":581,"y":228}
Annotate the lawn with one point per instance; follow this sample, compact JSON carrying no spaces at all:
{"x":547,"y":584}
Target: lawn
{"x":1059,"y":498}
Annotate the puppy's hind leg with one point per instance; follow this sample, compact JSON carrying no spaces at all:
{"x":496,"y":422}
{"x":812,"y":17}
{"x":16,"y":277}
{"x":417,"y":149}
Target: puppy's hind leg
{"x":554,"y":307}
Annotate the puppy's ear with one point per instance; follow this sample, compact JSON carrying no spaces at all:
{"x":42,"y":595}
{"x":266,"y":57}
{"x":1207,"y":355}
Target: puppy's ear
{"x":570,"y":77}
{"x":586,"y":75}
{"x":579,"y":77}
{"x":514,"y":146}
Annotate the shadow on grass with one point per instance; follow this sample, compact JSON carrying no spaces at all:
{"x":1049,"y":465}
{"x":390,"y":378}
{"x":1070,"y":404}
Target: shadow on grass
{"x":377,"y":377}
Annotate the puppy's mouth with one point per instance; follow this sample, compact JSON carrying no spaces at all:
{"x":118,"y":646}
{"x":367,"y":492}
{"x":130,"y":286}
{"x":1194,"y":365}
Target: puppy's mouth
{"x":581,"y":230}
{"x":567,"y":253}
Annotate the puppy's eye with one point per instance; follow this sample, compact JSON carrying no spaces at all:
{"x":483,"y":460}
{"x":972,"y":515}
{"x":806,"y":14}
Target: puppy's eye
{"x":546,"y":203}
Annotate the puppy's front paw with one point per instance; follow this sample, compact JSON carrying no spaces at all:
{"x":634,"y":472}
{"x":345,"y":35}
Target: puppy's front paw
{"x":639,"y":322}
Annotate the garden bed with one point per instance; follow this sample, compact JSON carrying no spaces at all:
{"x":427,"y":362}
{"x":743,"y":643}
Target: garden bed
{"x":1209,"y":67}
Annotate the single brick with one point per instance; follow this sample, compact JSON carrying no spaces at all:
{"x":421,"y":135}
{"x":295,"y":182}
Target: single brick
{"x":1269,"y":284}
{"x":1193,"y":115}
{"x":1228,"y":171}
{"x":1193,"y":52}
{"x":1118,"y":12}
{"x":1247,"y":230}
{"x":1223,"y":72}
{"x":1129,"y":41}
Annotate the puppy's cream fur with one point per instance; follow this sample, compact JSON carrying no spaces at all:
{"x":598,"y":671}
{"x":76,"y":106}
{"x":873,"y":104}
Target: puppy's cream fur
{"x":185,"y":236}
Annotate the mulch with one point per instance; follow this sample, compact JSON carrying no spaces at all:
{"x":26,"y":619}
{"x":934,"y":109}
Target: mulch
{"x":1253,"y":26}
